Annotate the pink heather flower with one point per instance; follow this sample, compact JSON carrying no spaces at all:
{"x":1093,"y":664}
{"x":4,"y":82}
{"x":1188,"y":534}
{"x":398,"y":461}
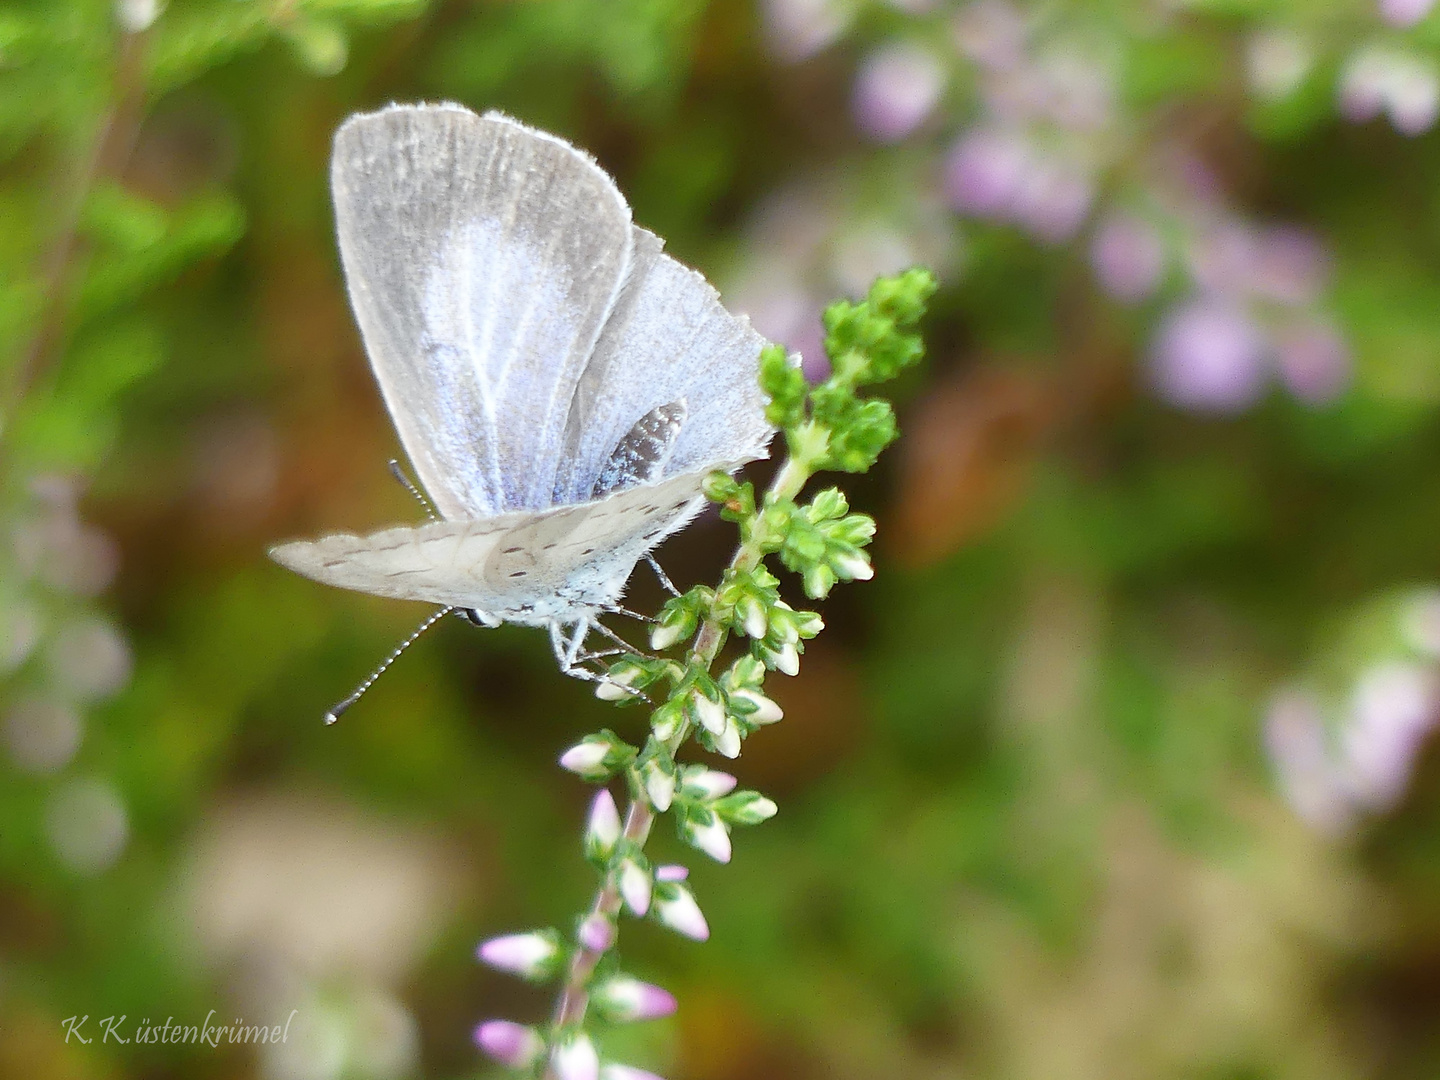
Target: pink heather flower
{"x":897,"y":87}
{"x":1209,"y":356}
{"x":798,"y":29}
{"x":1052,"y":200}
{"x":1128,"y":257}
{"x":626,"y":1072}
{"x":1405,"y":12}
{"x":596,"y":933}
{"x":512,"y":1045}
{"x":1403,"y":85}
{"x":1300,"y":753}
{"x":526,"y":955}
{"x":1314,"y":361}
{"x":625,"y":999}
{"x":604,"y":827}
{"x":1221,"y":260}
{"x":992,"y":33}
{"x":984,"y":172}
{"x":1288,"y":265}
{"x":576,"y":1060}
{"x":1277,"y":62}
{"x":671,"y":872}
{"x":1393,"y":708}
{"x":1079,"y":89}
{"x":678,"y":910}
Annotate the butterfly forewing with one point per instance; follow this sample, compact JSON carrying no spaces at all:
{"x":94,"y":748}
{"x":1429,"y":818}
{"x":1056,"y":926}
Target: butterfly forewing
{"x":482,"y":259}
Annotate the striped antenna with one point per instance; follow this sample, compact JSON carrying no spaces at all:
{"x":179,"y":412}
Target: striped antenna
{"x":335,"y":713}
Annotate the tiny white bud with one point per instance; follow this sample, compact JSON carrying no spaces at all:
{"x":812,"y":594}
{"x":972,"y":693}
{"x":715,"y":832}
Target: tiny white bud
{"x":635,"y":886}
{"x":610,"y":688}
{"x":576,"y":1060}
{"x":603,"y":830}
{"x":709,"y":784}
{"x":855,"y":567}
{"x":671,"y":872}
{"x":681,"y":913}
{"x":752,"y":614}
{"x":659,"y":784}
{"x":713,"y":838}
{"x":626,"y":1072}
{"x":787,"y":660}
{"x":766,"y":711}
{"x":666,"y":634}
{"x":625,"y":1000}
{"x":748,"y":808}
{"x":727,"y":742}
{"x":528,"y":955}
{"x":711,"y":714}
{"x":586,"y":759}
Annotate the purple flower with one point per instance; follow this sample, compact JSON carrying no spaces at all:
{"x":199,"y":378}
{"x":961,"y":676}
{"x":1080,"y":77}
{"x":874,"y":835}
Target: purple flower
{"x":1300,"y":753}
{"x":512,"y":1045}
{"x":1314,"y":361}
{"x":1379,"y":79}
{"x":1288,"y":265}
{"x":985,"y":171}
{"x":1393,"y":708}
{"x":596,"y":933}
{"x":1128,"y":257}
{"x":1405,"y":12}
{"x":798,"y":29}
{"x":1209,"y":356}
{"x":1052,"y":200}
{"x":896,"y":89}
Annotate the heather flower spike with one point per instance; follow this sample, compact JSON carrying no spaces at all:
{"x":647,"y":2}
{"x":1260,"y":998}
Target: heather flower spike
{"x":829,"y":426}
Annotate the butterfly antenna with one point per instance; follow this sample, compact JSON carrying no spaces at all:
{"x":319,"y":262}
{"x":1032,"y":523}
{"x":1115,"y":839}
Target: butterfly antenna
{"x":336,"y":712}
{"x":661,"y":575}
{"x":409,"y":485}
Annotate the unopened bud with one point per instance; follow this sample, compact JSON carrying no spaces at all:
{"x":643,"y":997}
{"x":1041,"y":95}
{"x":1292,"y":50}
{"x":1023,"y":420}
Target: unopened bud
{"x":746,"y":808}
{"x":635,"y":886}
{"x":710,"y":714}
{"x":659,"y":784}
{"x":603,"y":830}
{"x":671,"y":872}
{"x":677,"y":909}
{"x":712,"y":837}
{"x":751,"y":613}
{"x":512,"y":1045}
{"x":531,"y":956}
{"x":625,"y":1000}
{"x":727,"y":743}
{"x":787,"y":660}
{"x":765,"y":711}
{"x":586,"y":759}
{"x":854,"y":567}
{"x":626,"y":1072}
{"x":708,"y":784}
{"x":576,"y":1060}
{"x":596,"y":932}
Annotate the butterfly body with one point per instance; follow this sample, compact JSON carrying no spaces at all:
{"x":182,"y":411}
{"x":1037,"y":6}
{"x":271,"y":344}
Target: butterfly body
{"x":561,"y":386}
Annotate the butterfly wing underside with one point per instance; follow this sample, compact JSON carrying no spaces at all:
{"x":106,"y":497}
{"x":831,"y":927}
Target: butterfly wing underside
{"x":483,"y":260}
{"x":522,"y":566}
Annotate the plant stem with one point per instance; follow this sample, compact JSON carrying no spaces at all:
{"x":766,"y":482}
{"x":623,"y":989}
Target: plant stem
{"x":640,"y":814}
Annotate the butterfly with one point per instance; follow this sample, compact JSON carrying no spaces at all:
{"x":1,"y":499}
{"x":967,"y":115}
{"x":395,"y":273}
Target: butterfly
{"x":561,"y":386}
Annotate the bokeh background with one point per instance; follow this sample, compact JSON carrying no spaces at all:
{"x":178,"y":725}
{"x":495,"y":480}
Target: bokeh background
{"x":1120,"y":768}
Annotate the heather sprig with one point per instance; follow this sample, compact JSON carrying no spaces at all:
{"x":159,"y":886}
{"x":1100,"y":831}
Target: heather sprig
{"x":827,"y":427}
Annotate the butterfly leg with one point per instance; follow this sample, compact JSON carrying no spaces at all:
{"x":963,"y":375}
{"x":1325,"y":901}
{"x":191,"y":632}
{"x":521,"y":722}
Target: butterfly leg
{"x":661,"y":576}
